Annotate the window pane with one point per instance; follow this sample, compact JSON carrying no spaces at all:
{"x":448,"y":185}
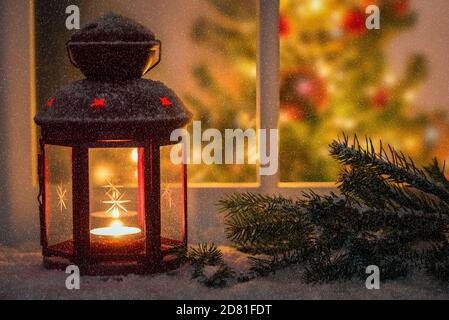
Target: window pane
{"x":224,"y":76}
{"x":208,"y":58}
{"x":338,"y":76}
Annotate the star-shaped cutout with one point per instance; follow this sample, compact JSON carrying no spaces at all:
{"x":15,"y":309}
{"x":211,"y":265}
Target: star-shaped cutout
{"x":165,"y":101}
{"x":61,"y":191}
{"x":167,"y":193}
{"x":50,"y":102}
{"x":115,"y":199}
{"x":98,"y":104}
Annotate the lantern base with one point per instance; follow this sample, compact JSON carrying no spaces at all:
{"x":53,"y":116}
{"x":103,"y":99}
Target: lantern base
{"x":110,"y":268}
{"x":112,"y":258}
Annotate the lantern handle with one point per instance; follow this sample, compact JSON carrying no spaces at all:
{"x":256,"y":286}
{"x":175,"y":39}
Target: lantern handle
{"x":70,"y":55}
{"x":159,"y":46}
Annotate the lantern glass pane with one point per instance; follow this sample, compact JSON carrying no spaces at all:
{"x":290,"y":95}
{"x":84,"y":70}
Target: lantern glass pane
{"x":59,"y":196}
{"x":116,"y":205}
{"x":172,"y":200}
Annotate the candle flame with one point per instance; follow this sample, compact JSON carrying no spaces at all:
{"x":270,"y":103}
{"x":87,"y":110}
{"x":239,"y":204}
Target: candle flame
{"x":115,"y":213}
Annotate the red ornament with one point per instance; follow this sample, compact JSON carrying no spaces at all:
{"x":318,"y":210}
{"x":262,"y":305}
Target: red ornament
{"x":302,"y":94}
{"x":284,"y":26}
{"x":98,"y":104}
{"x":165,"y":101}
{"x":291,"y":113}
{"x":354,"y":22}
{"x":401,"y":7}
{"x":380,"y":98}
{"x":50,"y":102}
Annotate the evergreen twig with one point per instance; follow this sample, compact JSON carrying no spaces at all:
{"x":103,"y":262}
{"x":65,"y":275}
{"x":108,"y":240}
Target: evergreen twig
{"x":388,"y":210}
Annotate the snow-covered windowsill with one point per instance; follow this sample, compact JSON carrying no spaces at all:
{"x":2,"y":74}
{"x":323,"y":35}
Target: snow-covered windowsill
{"x":22,"y":276}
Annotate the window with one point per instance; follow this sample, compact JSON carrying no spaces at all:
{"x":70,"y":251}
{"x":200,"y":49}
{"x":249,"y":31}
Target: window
{"x":305,"y":67}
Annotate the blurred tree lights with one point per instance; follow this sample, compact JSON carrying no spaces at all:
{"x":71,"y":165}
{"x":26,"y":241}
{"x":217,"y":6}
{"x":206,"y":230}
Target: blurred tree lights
{"x":334,"y":78}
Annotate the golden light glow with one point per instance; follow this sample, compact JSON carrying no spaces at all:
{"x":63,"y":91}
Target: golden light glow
{"x":337,"y":16}
{"x":390,"y":79}
{"x":115,"y":213}
{"x":116,"y":229}
{"x":134,"y":155}
{"x":323,"y":68}
{"x":102,"y":173}
{"x":249,"y":68}
{"x":409,"y":96}
{"x":410,"y":143}
{"x":316,"y":5}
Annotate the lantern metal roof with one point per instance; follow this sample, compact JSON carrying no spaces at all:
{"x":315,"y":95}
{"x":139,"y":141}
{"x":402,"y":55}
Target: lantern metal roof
{"x":113,"y":102}
{"x":112,"y":27}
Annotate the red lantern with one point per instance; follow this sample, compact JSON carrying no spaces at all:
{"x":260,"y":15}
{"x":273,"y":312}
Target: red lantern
{"x":110,"y":199}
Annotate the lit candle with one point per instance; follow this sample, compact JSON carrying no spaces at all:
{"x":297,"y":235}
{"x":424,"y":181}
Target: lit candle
{"x":116,"y":229}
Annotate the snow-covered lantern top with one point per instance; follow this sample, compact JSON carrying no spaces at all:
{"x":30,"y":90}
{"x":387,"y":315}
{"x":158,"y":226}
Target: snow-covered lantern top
{"x":110,"y":199}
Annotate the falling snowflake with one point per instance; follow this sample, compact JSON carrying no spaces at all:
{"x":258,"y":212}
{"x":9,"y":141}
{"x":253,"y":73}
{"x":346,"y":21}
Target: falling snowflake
{"x":61,"y":191}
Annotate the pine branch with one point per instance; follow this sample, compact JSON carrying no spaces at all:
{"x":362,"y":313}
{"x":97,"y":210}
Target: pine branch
{"x":365,"y":186}
{"x":395,"y":166}
{"x":345,"y":238}
{"x":437,"y":173}
{"x":225,"y":40}
{"x":437,"y":261}
{"x":264,"y":266}
{"x":220,"y":278}
{"x":263,"y":224}
{"x":205,"y":256}
{"x":236,"y":9}
{"x":324,"y":268}
{"x":388,"y":210}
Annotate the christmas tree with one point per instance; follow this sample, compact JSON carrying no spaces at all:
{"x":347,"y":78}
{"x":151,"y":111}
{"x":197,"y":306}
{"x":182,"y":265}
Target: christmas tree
{"x":334,"y":78}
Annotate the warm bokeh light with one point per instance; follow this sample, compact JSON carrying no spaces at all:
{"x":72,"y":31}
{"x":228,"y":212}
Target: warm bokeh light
{"x":134,"y":155}
{"x":102,"y":173}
